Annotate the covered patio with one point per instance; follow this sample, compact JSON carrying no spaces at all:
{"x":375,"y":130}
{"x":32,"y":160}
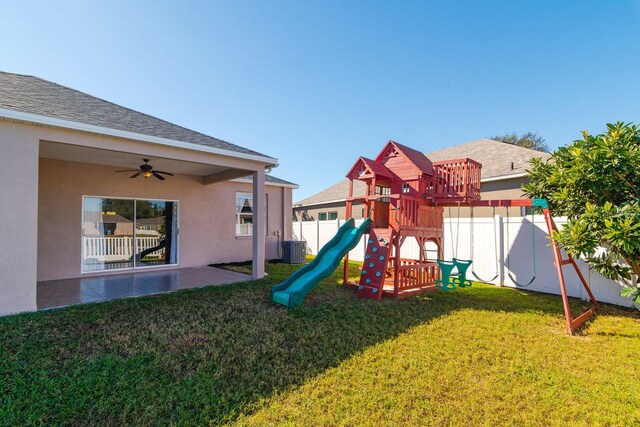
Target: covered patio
{"x":82,"y":290}
{"x":82,"y":232}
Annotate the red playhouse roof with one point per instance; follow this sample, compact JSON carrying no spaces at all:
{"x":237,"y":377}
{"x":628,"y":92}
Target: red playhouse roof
{"x":419,"y":160}
{"x":370,"y":168}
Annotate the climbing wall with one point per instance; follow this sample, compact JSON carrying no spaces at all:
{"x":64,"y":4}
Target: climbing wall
{"x":374,"y":268}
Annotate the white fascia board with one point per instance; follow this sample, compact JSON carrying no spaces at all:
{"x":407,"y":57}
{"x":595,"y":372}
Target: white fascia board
{"x":272,"y":184}
{"x":503,"y":177}
{"x":319,"y":203}
{"x":101,"y":130}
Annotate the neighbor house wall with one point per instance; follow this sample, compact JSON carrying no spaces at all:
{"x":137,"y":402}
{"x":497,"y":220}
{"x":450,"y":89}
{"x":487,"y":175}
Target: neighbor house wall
{"x":18,"y":219}
{"x":206,"y":215}
{"x":311,"y":213}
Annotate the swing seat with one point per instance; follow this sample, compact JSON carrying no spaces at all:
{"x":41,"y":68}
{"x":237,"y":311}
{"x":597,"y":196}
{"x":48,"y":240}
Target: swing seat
{"x":462,"y":265}
{"x":447,"y":283}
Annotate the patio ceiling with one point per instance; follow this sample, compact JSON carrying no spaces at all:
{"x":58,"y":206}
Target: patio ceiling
{"x":123,"y":160}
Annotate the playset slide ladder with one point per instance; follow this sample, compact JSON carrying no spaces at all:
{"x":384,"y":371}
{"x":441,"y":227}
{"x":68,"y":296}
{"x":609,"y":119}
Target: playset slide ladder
{"x":374,"y":267}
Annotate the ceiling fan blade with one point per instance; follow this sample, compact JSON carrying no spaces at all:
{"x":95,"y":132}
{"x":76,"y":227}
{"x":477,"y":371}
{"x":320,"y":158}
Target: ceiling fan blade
{"x":135,"y":175}
{"x":164,"y":173}
{"x":129,"y":170}
{"x":160,"y":177}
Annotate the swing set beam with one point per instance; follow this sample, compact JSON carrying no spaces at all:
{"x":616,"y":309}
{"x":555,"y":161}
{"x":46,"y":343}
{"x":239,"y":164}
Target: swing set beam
{"x":572,"y":324}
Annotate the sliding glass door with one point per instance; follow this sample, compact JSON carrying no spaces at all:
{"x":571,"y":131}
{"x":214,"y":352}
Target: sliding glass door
{"x":127,"y":233}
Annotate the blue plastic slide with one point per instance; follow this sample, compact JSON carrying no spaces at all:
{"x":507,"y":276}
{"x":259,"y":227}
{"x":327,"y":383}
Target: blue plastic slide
{"x":292,"y":291}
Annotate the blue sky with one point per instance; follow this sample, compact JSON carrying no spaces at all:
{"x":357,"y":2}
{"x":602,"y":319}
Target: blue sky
{"x":319,"y":83}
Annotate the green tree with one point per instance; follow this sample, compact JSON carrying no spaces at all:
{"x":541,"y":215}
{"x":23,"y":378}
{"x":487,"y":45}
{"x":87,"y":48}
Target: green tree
{"x":529,"y":140}
{"x":595,"y":182}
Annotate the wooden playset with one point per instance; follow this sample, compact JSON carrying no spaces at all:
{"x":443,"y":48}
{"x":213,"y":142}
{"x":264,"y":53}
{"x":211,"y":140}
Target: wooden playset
{"x":405,"y":196}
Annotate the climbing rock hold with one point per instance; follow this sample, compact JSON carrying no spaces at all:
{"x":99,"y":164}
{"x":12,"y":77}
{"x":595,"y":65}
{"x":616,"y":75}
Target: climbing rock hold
{"x":378,"y":274}
{"x":367,"y":257}
{"x":371,"y":264}
{"x":375,"y":249}
{"x":360,"y":287}
{"x":374,"y":290}
{"x":370,"y":241}
{"x":364,"y":272}
{"x":381,"y":257}
{"x":368,"y":281}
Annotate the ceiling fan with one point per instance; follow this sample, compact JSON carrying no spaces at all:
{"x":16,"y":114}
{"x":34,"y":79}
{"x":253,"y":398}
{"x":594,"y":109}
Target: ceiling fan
{"x":147,"y":171}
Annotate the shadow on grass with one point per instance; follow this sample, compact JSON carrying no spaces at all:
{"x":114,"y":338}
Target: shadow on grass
{"x":206,"y":355}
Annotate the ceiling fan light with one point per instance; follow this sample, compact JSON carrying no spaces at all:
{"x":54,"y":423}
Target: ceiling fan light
{"x":147,"y":174}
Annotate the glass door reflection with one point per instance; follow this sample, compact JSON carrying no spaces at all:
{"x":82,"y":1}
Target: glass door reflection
{"x":107,"y":241}
{"x":156,"y":232}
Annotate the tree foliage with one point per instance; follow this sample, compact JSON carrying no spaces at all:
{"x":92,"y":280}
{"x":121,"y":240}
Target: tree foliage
{"x":595,"y":182}
{"x":529,"y":140}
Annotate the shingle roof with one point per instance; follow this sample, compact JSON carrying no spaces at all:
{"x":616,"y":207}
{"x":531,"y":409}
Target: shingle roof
{"x":338,"y":191}
{"x":34,"y":95}
{"x":272,"y":179}
{"x":495,"y":156}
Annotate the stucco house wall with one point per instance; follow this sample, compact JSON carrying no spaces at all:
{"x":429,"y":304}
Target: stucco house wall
{"x":206,"y":215}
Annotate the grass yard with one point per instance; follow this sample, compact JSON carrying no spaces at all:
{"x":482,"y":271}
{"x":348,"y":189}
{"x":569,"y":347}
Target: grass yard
{"x":226,"y":355}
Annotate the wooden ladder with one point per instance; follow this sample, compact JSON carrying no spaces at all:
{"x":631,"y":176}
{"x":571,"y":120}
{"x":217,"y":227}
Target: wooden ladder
{"x":558,"y":260}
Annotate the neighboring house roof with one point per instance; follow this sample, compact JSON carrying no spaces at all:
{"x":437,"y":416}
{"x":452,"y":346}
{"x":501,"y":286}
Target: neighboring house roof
{"x":150,"y":221}
{"x":92,"y":216}
{"x":270,"y":179}
{"x":33,"y":95}
{"x":496,"y":158}
{"x":336,"y":193}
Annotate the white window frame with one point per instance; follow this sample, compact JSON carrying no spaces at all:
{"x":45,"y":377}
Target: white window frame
{"x":248,"y":230}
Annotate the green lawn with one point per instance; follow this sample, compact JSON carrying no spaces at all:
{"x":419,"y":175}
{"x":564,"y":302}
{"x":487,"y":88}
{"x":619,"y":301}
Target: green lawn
{"x":476,"y":356}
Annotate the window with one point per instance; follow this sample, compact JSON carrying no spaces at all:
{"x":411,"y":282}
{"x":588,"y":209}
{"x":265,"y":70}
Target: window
{"x":128,"y":233}
{"x":322,"y":216}
{"x":244,"y":214}
{"x":406,"y":188}
{"x":381,"y":191}
{"x":333,"y":215}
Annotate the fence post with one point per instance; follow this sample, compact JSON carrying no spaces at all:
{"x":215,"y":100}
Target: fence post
{"x":499,"y":227}
{"x":317,"y":236}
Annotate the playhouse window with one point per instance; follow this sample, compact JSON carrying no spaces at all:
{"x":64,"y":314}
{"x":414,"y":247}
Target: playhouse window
{"x":244,"y":214}
{"x":406,"y":188}
{"x":380,"y":191}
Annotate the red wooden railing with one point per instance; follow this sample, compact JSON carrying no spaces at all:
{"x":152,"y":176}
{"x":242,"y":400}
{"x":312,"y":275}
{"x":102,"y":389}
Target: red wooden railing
{"x":414,"y":274}
{"x":411,"y":212}
{"x":457,"y":179}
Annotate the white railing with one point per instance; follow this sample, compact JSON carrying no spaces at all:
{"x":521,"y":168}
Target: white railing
{"x":116,"y":248}
{"x":490,"y":246}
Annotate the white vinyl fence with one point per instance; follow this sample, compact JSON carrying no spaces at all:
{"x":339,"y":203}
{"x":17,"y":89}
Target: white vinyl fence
{"x":106,"y":249}
{"x":500,"y":246}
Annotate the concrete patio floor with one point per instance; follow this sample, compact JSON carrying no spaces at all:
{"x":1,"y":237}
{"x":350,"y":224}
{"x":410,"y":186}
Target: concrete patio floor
{"x":62,"y":293}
